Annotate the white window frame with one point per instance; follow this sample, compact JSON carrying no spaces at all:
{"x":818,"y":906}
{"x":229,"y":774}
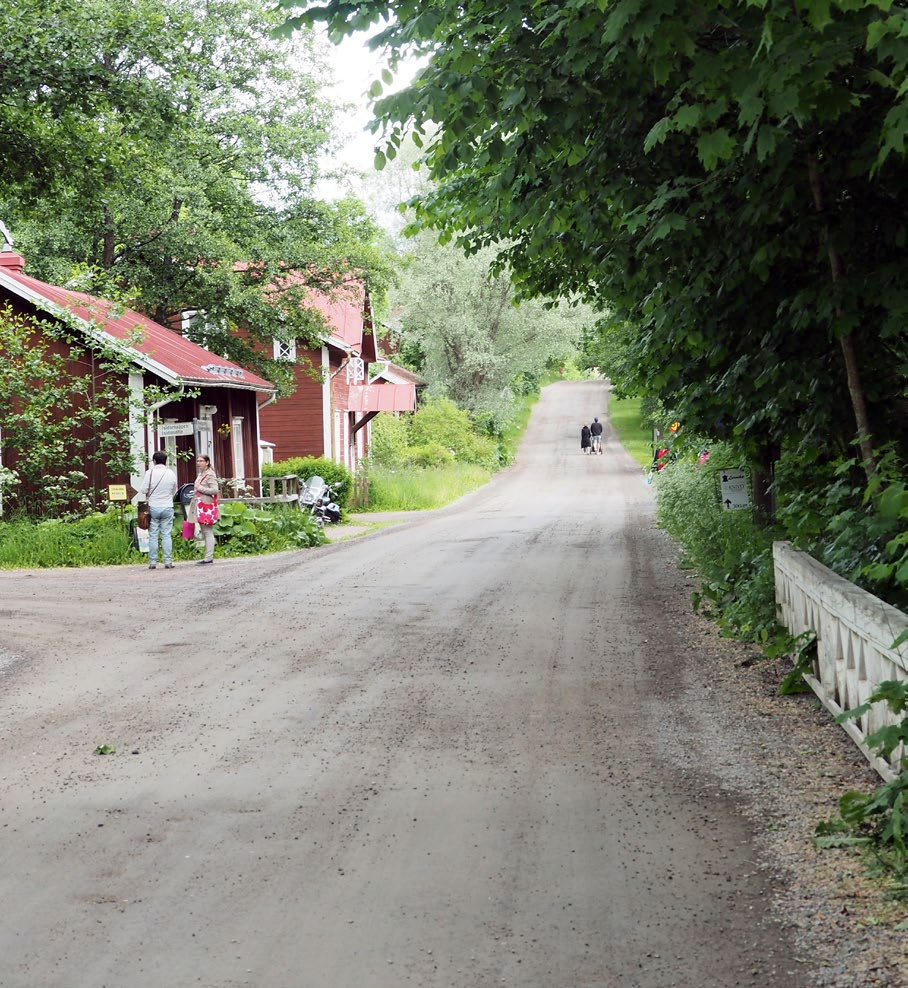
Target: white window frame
{"x":285,"y":350}
{"x":239,"y":451}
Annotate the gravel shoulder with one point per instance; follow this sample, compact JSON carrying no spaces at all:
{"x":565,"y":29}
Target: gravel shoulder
{"x":793,"y":763}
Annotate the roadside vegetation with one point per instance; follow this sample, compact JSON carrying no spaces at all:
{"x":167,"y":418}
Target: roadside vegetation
{"x":634,"y":430}
{"x":731,"y":553}
{"x":107,"y":539}
{"x":429,"y":458}
{"x":433,"y":457}
{"x":856,"y":531}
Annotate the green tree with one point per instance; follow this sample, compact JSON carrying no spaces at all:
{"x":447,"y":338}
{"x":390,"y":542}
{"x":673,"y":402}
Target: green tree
{"x":725,"y":178}
{"x":473,"y":339}
{"x":192,"y":149}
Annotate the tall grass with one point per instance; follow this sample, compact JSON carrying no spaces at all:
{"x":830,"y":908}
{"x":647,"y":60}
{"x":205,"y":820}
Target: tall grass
{"x":100,"y":540}
{"x":517,"y":424}
{"x":417,"y":489}
{"x":636,"y":436}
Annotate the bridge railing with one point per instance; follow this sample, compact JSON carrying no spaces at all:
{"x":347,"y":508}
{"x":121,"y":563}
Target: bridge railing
{"x":855,"y":633}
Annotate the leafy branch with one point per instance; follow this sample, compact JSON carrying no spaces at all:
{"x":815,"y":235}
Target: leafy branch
{"x":877,"y":820}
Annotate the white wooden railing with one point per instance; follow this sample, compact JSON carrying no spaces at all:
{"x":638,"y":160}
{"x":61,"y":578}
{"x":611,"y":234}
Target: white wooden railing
{"x":855,"y":632}
{"x":260,"y":490}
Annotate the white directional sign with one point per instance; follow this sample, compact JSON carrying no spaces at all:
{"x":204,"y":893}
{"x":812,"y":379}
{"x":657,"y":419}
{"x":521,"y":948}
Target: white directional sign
{"x":735,"y":491}
{"x":175,"y":429}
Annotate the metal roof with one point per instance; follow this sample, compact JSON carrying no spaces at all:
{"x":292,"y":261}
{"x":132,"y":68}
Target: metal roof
{"x":381,"y":398}
{"x":152,"y":346}
{"x":342,"y":305}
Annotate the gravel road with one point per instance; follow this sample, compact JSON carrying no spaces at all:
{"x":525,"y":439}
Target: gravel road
{"x":489,"y":745}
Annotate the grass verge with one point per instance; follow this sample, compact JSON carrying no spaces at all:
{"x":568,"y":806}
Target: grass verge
{"x":422,"y":489}
{"x":635,"y":435}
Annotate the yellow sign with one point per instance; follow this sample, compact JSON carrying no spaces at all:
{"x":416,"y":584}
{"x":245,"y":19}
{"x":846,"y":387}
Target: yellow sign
{"x":117,"y":492}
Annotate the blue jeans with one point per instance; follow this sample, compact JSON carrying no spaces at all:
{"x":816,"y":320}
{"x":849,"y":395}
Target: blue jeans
{"x":161,"y":523}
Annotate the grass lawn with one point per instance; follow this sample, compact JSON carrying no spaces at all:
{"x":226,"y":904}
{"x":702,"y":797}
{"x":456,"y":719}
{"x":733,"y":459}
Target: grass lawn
{"x":636,"y":436}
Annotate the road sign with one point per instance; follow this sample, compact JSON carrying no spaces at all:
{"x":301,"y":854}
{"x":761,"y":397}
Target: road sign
{"x":735,"y":490}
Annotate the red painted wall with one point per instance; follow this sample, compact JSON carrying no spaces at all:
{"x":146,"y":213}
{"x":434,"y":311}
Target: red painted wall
{"x":230,"y":402}
{"x":294,"y":423}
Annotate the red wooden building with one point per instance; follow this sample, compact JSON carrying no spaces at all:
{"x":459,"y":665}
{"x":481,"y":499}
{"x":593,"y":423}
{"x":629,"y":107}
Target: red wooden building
{"x":340,"y":386}
{"x":214,"y":404}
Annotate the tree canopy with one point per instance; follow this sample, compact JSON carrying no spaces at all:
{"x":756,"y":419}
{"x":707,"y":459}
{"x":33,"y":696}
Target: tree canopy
{"x":726,"y":177}
{"x":473,"y":342}
{"x":172,"y":147}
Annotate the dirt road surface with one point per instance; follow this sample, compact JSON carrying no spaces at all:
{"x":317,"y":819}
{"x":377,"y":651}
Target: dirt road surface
{"x":464,"y":751}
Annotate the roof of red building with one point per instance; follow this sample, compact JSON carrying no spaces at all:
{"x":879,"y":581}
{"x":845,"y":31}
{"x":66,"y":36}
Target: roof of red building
{"x":396,"y":374}
{"x":154,"y":347}
{"x":343,"y":306}
{"x":343,"y":310}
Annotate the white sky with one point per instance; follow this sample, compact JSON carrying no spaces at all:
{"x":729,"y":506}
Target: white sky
{"x":356,"y":67}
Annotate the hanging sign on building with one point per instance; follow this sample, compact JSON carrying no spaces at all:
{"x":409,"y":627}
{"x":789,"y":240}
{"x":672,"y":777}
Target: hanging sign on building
{"x":174,"y":429}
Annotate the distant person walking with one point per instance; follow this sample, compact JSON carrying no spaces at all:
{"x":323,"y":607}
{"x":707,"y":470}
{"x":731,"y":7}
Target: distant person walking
{"x":204,"y":507}
{"x":585,"y":439}
{"x":159,"y":486}
{"x":596,"y":437}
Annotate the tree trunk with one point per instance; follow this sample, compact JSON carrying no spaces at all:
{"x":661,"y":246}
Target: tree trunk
{"x":762,"y":479}
{"x":108,"y":255}
{"x":855,"y":387}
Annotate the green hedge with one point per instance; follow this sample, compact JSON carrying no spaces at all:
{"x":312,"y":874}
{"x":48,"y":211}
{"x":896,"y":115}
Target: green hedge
{"x":305,"y":467}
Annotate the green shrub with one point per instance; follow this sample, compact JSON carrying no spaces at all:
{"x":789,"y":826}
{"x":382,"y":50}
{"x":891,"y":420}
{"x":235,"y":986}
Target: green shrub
{"x":305,"y":467}
{"x":731,"y":554}
{"x":243,"y":530}
{"x":432,"y":454}
{"x":442,"y":422}
{"x":390,"y":440}
{"x":526,"y":384}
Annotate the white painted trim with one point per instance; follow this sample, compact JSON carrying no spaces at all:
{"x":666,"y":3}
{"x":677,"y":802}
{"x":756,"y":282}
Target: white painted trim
{"x":326,"y":402}
{"x":139,"y":441}
{"x":239,"y":451}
